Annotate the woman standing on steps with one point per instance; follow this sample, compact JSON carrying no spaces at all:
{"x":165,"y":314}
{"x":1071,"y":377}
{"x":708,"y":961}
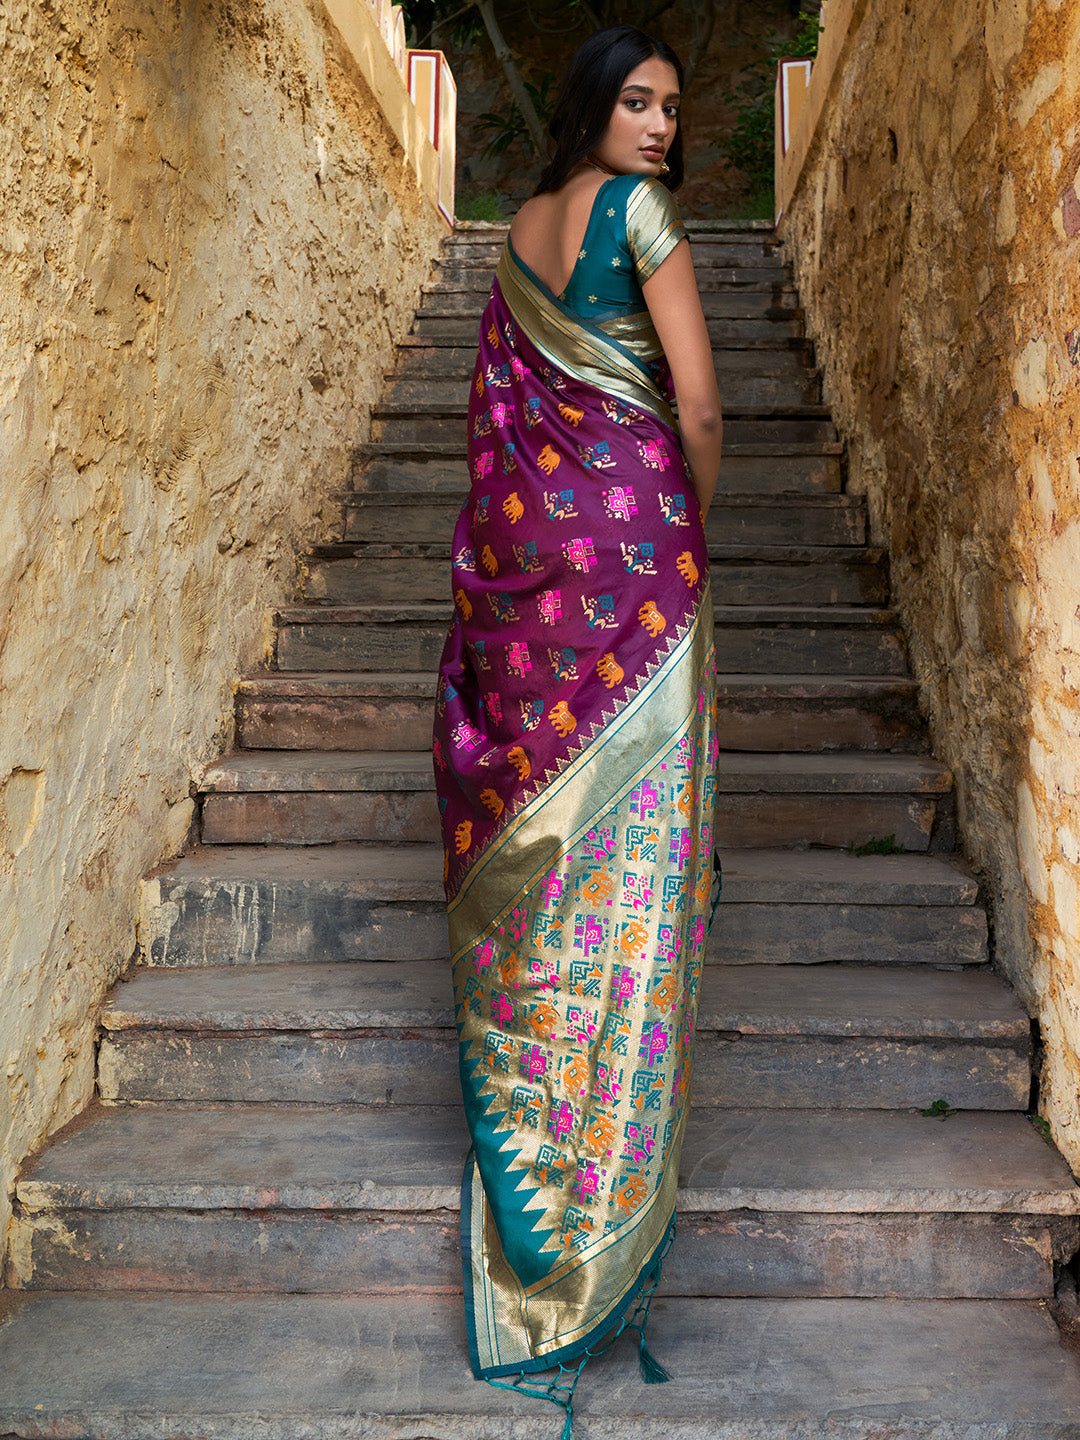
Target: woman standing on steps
{"x":575,"y":733}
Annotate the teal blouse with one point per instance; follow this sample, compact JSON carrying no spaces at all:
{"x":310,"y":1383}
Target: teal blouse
{"x":634,"y":226}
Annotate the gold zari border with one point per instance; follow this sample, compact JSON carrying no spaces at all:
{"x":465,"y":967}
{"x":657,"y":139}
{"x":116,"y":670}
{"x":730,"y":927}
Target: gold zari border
{"x":575,"y":346}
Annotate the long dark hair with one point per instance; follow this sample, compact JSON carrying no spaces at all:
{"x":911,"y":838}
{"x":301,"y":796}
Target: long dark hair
{"x":596,"y":76}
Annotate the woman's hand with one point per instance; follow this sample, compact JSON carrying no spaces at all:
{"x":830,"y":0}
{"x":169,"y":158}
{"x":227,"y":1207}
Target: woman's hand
{"x":671,"y":294}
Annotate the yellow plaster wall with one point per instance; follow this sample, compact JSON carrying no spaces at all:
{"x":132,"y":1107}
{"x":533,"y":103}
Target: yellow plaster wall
{"x":936,"y":237}
{"x":209,"y":238}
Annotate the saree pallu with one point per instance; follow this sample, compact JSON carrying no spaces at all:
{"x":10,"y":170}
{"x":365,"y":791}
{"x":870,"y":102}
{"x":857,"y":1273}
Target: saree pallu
{"x":575,"y":748}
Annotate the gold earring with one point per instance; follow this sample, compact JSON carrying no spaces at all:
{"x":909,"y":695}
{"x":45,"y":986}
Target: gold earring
{"x":665,"y":168}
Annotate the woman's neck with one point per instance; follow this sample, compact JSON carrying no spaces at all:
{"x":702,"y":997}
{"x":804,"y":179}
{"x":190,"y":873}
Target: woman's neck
{"x":599,"y":167}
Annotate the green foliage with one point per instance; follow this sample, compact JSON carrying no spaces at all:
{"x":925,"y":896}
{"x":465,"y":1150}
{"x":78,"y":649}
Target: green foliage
{"x":880,"y":845}
{"x":449,"y":18}
{"x":805,"y":44}
{"x":756,"y":204}
{"x":1043,"y":1127}
{"x":748,"y":142}
{"x":939,"y":1110}
{"x":505,"y":129}
{"x":485,"y":205}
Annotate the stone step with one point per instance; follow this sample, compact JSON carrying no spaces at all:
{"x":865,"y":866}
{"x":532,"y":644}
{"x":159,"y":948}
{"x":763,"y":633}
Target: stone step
{"x":451,"y":395}
{"x":443,"y":395}
{"x":246,"y":905}
{"x":774,"y":639}
{"x":780,"y":329}
{"x":360,"y":573}
{"x":329,"y":1367}
{"x":805,"y":520}
{"x":712,"y":279}
{"x":373,"y":710}
{"x":366,"y":1201}
{"x":756,"y":232}
{"x":749,"y":232}
{"x":438,"y":469}
{"x":282,"y":797}
{"x":709,"y":254}
{"x":740,"y":394}
{"x":761,"y":438}
{"x":417,"y":360}
{"x":769,"y":1036}
{"x":776,"y":434}
{"x":779,"y":301}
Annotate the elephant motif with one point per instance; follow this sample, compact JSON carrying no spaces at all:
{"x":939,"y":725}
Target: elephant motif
{"x":634,"y":938}
{"x":491,"y":801}
{"x":651,"y":618}
{"x":575,"y":1074}
{"x":513,"y":509}
{"x":520,"y":762}
{"x":542,"y":1019}
{"x":562,"y":719}
{"x":664,"y":995}
{"x":463,"y":837}
{"x":548,"y":460}
{"x":599,"y":1135}
{"x":629,"y":1196}
{"x":598,"y":889}
{"x":461,"y":600}
{"x":686,"y":568}
{"x":609,"y":670}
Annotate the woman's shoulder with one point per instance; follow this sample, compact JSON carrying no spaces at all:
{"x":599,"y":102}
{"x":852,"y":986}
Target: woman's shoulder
{"x":650,"y":194}
{"x":536,"y":208}
{"x":653,"y":225}
{"x":645,"y":206}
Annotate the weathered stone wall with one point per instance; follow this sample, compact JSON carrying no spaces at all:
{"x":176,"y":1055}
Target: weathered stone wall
{"x":209,"y":237}
{"x":936,"y":235}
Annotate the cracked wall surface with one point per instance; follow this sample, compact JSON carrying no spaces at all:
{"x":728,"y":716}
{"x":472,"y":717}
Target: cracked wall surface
{"x":209,"y":238}
{"x":936,"y":238}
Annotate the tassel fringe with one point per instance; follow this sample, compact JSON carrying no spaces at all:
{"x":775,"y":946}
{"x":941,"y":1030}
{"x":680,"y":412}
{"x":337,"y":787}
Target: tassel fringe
{"x":560,"y":1390}
{"x":652,"y":1372}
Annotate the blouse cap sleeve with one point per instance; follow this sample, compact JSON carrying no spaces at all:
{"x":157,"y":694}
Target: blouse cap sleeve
{"x":653,"y":226}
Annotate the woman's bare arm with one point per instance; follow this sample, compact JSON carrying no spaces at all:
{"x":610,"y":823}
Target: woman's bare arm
{"x":671,"y":294}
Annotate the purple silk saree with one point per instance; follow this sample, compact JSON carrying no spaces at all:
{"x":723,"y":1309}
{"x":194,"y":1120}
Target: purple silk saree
{"x":574,"y":753}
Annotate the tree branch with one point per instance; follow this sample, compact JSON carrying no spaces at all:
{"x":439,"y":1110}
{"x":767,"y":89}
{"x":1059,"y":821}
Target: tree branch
{"x":651,"y":13}
{"x":590,"y":15}
{"x":505,"y":57}
{"x":704,"y":13}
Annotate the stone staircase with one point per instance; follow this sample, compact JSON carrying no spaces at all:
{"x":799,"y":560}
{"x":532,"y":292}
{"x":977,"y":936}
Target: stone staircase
{"x":254,"y":1232}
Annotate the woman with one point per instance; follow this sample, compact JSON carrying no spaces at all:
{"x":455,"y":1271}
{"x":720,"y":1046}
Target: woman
{"x":574,"y":733}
